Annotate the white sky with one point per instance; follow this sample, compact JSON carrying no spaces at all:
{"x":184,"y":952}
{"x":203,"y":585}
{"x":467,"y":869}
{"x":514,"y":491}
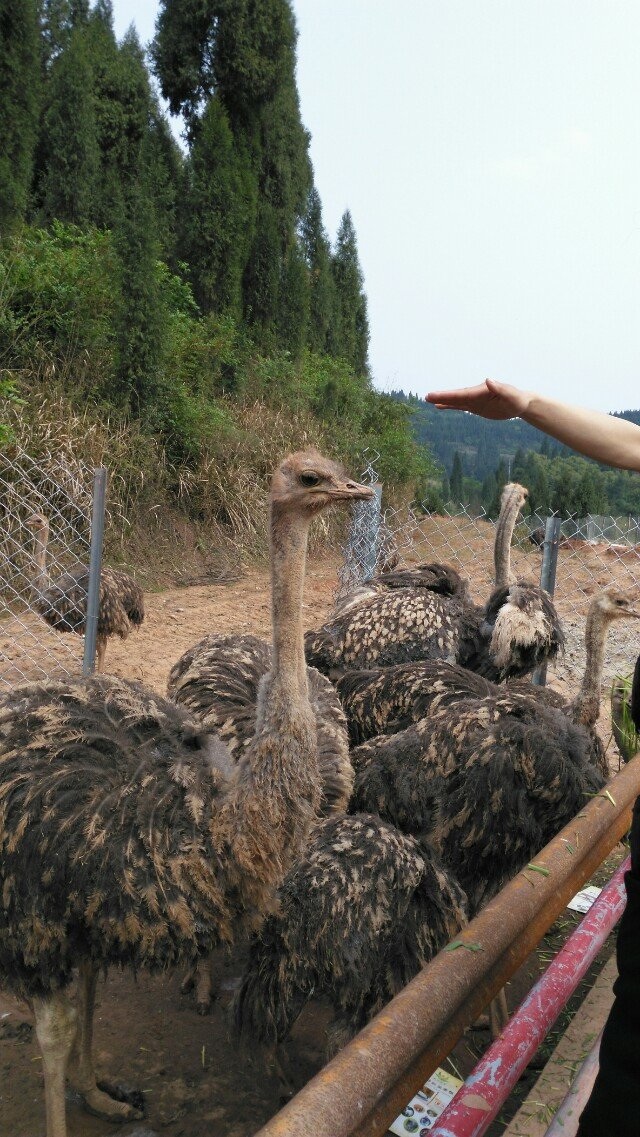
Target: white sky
{"x":489,"y":152}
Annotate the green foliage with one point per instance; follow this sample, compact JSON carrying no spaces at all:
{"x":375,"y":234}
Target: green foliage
{"x":58,"y":292}
{"x":352,"y":323}
{"x":20,"y":83}
{"x":218,"y":214}
{"x":322,"y":289}
{"x":69,"y":154}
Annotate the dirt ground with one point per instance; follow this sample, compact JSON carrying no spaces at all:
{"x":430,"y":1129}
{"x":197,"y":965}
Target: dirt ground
{"x":195,"y":1078}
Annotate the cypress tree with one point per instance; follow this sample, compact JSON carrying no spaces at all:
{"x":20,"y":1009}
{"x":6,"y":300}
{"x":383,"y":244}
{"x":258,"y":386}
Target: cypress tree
{"x":352,"y":322}
{"x":218,"y":213}
{"x":456,"y":485}
{"x":293,"y":302}
{"x":69,"y":153}
{"x":244,"y":51}
{"x":322,"y":289}
{"x":20,"y":93}
{"x":139,"y":319}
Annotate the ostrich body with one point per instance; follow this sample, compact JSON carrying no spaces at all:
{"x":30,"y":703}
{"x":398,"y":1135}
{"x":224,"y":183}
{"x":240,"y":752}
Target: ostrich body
{"x":515,"y":631}
{"x":359,"y":914}
{"x":63,"y":603}
{"x":440,"y":578}
{"x":218,"y":681}
{"x":128,"y":834}
{"x":515,"y":769}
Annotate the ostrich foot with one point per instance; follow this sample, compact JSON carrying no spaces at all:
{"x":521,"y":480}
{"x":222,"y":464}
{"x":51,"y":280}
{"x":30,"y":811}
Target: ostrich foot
{"x":114,"y":1103}
{"x":199,"y":977}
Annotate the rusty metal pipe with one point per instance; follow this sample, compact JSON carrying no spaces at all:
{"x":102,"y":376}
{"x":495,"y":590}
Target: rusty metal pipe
{"x":366,"y":1085}
{"x":489,"y":1084}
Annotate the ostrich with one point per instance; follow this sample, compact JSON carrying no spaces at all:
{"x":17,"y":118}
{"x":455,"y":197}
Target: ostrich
{"x":515,"y":768}
{"x":360,"y":912}
{"x":389,"y":700}
{"x":127,"y":834}
{"x":63,"y":603}
{"x":440,"y":578}
{"x":513,"y":633}
{"x":218,"y":682}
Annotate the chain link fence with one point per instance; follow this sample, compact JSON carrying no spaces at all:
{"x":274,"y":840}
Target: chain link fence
{"x":46,"y":508}
{"x":593,"y":552}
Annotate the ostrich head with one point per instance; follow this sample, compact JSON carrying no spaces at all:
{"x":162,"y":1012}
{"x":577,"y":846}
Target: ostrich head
{"x":307,"y":482}
{"x":613,"y":603}
{"x":38,"y":525}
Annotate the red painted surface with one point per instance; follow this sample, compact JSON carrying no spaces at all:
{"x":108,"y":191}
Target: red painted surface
{"x":478,"y":1101}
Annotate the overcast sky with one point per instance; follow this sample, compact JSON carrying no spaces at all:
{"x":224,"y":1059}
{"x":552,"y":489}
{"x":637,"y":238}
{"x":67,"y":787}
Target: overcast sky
{"x":489,"y":152}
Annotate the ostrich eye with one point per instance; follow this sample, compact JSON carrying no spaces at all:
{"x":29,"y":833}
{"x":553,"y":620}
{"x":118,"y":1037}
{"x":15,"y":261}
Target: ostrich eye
{"x":309,"y":480}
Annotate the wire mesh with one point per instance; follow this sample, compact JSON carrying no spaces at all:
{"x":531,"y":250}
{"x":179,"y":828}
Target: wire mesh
{"x":58,"y":489}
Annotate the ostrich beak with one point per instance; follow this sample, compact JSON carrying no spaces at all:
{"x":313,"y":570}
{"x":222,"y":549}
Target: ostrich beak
{"x":347,"y":490}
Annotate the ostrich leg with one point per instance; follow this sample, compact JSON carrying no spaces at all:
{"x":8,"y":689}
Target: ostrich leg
{"x":56,"y":1020}
{"x":81,"y":1070}
{"x":101,"y":647}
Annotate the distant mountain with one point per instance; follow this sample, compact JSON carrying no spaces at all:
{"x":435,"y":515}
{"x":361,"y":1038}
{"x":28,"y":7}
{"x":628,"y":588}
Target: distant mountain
{"x":480,"y":442}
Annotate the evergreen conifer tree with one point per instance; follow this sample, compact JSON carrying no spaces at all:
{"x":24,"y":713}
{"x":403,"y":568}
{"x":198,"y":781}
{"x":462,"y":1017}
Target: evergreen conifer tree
{"x":322,"y":289}
{"x":139,"y":323}
{"x":20,"y":93}
{"x":69,"y":154}
{"x":352,"y":323}
{"x":218,"y":213}
{"x":456,"y":485}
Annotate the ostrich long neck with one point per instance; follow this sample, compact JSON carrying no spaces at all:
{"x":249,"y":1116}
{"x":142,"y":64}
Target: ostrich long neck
{"x":40,"y":578}
{"x":289,"y":534}
{"x":504,"y":532}
{"x":276,"y":798}
{"x":585,"y":707}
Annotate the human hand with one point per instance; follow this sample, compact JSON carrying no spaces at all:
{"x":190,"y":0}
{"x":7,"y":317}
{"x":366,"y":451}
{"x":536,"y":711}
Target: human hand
{"x":489,"y":399}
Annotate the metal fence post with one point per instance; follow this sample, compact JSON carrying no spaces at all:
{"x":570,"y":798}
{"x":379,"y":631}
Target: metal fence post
{"x":367,"y":524}
{"x":95,"y":563}
{"x":548,"y":578}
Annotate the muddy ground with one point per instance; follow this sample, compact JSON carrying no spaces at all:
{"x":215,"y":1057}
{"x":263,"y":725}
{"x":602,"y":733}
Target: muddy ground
{"x":196,"y":1079}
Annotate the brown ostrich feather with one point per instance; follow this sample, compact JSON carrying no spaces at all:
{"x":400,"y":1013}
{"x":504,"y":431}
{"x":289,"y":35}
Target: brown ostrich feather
{"x":218,"y":681}
{"x":511,"y":771}
{"x":63,"y":605}
{"x":107,"y":844}
{"x":359,"y":914}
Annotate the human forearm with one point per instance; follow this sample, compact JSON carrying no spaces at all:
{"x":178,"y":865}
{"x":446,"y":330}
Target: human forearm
{"x":600,"y":436}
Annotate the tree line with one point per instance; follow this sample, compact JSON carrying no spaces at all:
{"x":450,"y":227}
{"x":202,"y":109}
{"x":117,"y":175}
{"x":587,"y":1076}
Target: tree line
{"x":167,"y":282}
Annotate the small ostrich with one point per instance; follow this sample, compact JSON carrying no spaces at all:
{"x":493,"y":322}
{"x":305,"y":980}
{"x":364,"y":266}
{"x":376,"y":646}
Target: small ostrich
{"x":127,"y":834}
{"x":515,"y":768}
{"x":360,"y":912}
{"x":63,"y":603}
{"x":218,"y":682}
{"x":513,"y":633}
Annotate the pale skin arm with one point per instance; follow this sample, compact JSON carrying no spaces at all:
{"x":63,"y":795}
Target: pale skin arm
{"x":611,"y":440}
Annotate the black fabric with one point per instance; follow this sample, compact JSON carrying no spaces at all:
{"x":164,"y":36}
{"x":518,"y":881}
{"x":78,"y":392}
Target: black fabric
{"x":613,"y":1110}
